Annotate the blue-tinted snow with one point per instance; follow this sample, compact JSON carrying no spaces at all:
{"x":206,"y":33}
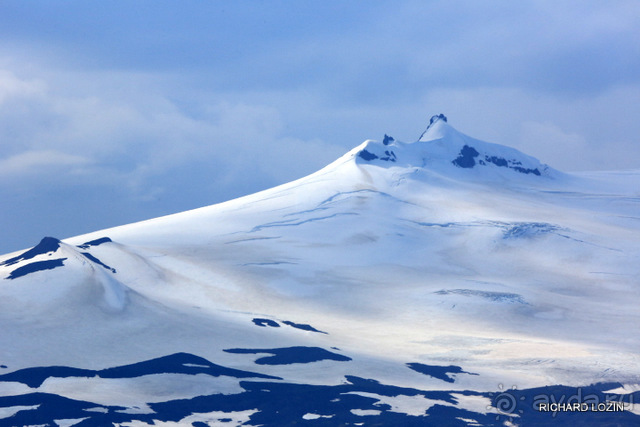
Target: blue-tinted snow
{"x":250,"y":239}
{"x":36,"y":266}
{"x":289,"y":355}
{"x":529,"y":229}
{"x":267,"y":263}
{"x":97,"y":261}
{"x":278,"y":403}
{"x":294,"y":222}
{"x":281,"y":403}
{"x":96,"y":242}
{"x":304,"y":212}
{"x":298,"y":217}
{"x":440,"y":225}
{"x":343,"y":195}
{"x":440,"y":372}
{"x":302,"y":326}
{"x":493,"y":296}
{"x":265,"y":322}
{"x":46,"y":245}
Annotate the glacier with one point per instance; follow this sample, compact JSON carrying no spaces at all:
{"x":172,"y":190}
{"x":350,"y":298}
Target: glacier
{"x":445,"y":281}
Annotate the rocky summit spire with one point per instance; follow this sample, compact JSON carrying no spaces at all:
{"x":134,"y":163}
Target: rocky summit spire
{"x":434,"y":119}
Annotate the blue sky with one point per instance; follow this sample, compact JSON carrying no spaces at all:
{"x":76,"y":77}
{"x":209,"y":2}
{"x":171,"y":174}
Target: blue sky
{"x":118,"y":111}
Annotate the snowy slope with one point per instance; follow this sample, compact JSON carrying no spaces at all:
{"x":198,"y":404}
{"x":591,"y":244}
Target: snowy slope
{"x":402,"y":283}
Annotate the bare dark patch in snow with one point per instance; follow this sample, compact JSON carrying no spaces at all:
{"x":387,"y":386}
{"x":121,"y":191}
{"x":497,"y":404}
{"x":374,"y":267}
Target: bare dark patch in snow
{"x":36,"y":266}
{"x":46,"y":245}
{"x":97,"y":261}
{"x":289,"y":355}
{"x":96,"y":242}
{"x":178,"y":363}
{"x":440,"y":372}
{"x":302,"y":326}
{"x":265,"y":322}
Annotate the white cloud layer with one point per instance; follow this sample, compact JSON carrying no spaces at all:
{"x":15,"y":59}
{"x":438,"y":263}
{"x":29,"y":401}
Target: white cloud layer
{"x":39,"y":162}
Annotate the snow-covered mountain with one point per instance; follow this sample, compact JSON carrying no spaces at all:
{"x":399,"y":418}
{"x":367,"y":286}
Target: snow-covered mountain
{"x":403,"y":284}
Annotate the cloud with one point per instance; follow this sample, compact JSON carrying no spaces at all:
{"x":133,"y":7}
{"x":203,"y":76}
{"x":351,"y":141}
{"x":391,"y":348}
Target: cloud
{"x":550,"y":138}
{"x":565,"y":50}
{"x":76,"y":158}
{"x":11,"y":87}
{"x":39,"y":163}
{"x":577,"y":134}
{"x":139,"y":139}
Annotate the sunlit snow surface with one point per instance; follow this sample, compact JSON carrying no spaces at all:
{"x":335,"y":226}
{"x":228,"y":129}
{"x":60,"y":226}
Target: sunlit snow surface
{"x":404,"y":284}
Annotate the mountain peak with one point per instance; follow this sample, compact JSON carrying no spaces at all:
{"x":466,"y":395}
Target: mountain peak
{"x":442,"y":147}
{"x":434,"y":119}
{"x":438,"y":128}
